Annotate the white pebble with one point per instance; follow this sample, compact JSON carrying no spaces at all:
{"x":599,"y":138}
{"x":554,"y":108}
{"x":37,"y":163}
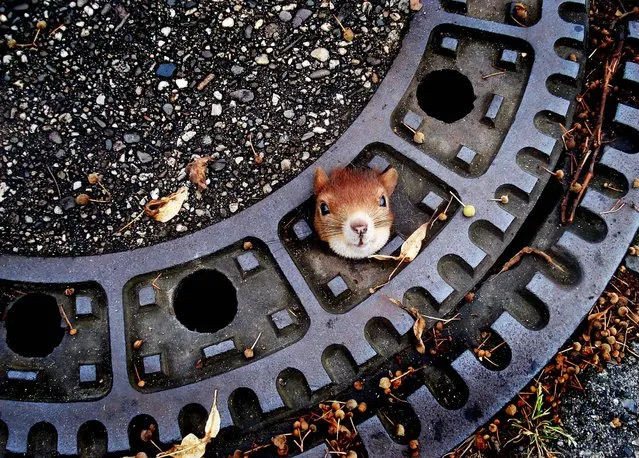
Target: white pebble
{"x":166,"y":31}
{"x":77,"y":185}
{"x":186,"y":136}
{"x":162,"y":85}
{"x":100,"y":99}
{"x":228,"y":22}
{"x":320,"y":54}
{"x":181,"y":83}
{"x":233,"y":207}
{"x":285,"y":164}
{"x":262,"y":59}
{"x":216,"y":109}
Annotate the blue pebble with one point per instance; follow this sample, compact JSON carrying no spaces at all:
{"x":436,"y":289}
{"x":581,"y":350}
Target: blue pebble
{"x":165,"y":70}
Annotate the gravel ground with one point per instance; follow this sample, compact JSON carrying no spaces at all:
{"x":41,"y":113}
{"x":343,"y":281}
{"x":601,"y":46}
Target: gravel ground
{"x":132,"y":90}
{"x":613,"y":393}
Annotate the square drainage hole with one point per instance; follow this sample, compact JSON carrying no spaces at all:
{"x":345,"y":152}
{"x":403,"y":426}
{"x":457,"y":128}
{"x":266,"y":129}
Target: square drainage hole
{"x":337,"y":286}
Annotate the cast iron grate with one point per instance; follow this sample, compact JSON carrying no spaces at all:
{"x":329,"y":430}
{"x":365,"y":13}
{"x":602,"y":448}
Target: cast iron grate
{"x":321,"y":327}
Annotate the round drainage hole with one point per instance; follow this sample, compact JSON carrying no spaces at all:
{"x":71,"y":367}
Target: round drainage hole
{"x":33,"y":325}
{"x":446,"y":95}
{"x":205,"y":301}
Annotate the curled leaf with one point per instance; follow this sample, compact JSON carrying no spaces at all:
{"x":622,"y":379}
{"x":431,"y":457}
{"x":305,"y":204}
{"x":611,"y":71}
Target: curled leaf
{"x":197,"y":172}
{"x":193,"y":447}
{"x":214,"y":421}
{"x":418,"y":328}
{"x":410,"y":248}
{"x":190,"y":447}
{"x":165,"y":208}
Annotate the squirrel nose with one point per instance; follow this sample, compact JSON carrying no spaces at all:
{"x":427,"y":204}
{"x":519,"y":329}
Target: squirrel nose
{"x":359,"y":227}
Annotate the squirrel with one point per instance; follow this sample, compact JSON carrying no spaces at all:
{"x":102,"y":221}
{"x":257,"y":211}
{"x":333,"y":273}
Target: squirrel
{"x":352,"y":209}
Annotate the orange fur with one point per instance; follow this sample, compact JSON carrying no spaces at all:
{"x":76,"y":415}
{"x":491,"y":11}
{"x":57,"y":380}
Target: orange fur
{"x":352,"y":191}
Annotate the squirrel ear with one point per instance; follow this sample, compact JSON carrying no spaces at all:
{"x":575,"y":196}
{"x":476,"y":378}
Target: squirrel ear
{"x":321,"y":179}
{"x":389,"y":180}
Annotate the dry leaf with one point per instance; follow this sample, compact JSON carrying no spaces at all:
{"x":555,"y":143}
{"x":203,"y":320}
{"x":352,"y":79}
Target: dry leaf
{"x":197,"y":172}
{"x":410,"y":247}
{"x":165,"y":208}
{"x":214,"y":421}
{"x":416,"y":5}
{"x":193,"y":447}
{"x":528,"y":250}
{"x":418,"y":328}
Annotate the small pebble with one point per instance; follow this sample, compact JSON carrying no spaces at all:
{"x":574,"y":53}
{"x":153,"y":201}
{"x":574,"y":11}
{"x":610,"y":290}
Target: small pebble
{"x":320,"y":54}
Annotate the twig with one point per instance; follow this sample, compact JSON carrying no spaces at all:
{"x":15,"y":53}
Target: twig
{"x":154,"y":280}
{"x":490,"y":75}
{"x":130,"y":222}
{"x":119,"y":26}
{"x":55,"y":181}
{"x":610,"y":70}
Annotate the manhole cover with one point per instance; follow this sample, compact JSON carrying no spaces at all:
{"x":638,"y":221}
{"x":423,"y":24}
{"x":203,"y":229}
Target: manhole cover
{"x":197,"y":302}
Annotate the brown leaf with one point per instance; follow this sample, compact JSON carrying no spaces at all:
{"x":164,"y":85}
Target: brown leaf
{"x":197,"y":172}
{"x":165,"y":208}
{"x":418,"y":328}
{"x":528,"y":250}
{"x":410,"y":248}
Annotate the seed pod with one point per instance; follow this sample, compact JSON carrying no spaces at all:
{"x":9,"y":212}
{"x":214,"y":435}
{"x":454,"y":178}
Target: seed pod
{"x":511,"y":410}
{"x":348,"y":34}
{"x":362,"y":407}
{"x":358,"y":385}
{"x":335,"y":406}
{"x":384,"y":383}
{"x":82,"y":199}
{"x":492,"y":427}
{"x":413,"y":444}
{"x":399,"y":430}
{"x":93,"y":178}
{"x":339,"y":414}
{"x":248,"y":353}
{"x":247,"y":245}
{"x":351,"y":404}
{"x":137,"y":344}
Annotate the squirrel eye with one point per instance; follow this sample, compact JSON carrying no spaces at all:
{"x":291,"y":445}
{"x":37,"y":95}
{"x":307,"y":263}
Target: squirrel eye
{"x":324,"y":209}
{"x":382,"y":201}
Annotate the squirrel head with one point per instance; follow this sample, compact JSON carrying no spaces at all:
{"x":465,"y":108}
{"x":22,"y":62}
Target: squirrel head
{"x":352,"y":209}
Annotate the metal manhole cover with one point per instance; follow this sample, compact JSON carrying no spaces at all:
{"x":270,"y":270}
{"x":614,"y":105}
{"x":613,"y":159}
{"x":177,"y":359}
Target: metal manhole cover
{"x":321,"y":327}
